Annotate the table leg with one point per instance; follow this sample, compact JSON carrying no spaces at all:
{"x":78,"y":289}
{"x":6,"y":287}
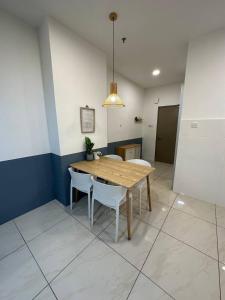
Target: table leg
{"x":128,"y":207}
{"x":149,"y":194}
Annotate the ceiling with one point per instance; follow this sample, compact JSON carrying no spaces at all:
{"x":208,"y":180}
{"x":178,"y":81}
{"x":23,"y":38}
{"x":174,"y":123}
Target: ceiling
{"x":157,"y":31}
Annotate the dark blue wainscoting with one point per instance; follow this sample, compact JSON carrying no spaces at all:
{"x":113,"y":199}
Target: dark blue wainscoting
{"x":112,"y":146}
{"x":29,"y":182}
{"x":25,"y":184}
{"x":60,"y":165}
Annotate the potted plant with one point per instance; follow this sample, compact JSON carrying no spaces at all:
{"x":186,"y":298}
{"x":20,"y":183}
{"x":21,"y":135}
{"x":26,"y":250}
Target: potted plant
{"x":89,"y":146}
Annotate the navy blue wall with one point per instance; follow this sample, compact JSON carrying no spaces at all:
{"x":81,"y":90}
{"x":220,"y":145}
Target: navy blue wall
{"x":29,"y":182}
{"x":25,"y":184}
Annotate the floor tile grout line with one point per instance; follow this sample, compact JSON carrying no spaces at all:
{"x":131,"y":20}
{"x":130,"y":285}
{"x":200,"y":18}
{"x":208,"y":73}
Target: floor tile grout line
{"x":136,"y":279}
{"x":192,"y":215}
{"x":220,"y":226}
{"x":158,"y":234}
{"x":149,"y":278}
{"x":17,"y":226}
{"x":150,"y":251}
{"x":88,"y":228}
{"x":180,"y":210}
{"x":95,"y":236}
{"x":114,"y":250}
{"x":189,"y":245}
{"x":36,"y":262}
{"x":49,"y":282}
{"x":46,"y":230}
{"x":40,"y":292}
{"x":35,"y":297}
{"x":139,"y":271}
{"x":12,"y":252}
{"x":218,"y":262}
{"x":54,"y":278}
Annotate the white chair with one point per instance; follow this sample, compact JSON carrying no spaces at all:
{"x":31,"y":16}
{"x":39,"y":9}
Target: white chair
{"x":114,"y":156}
{"x":111,"y":196}
{"x":142,"y":183}
{"x":82,"y":182}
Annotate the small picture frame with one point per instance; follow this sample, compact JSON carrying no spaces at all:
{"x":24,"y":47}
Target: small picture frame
{"x":87,"y":119}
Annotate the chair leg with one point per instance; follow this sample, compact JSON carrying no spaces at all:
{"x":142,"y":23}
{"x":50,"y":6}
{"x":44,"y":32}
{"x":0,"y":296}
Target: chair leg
{"x":92,"y":211}
{"x":71,"y":197}
{"x":89,"y":206}
{"x":140,"y":192}
{"x":117,"y":223}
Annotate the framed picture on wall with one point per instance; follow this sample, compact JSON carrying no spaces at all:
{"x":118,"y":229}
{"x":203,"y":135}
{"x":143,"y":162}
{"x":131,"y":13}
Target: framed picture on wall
{"x":87,"y":119}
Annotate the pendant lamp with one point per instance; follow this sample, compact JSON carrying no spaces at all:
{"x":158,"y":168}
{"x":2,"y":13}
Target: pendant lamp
{"x":113,"y":100}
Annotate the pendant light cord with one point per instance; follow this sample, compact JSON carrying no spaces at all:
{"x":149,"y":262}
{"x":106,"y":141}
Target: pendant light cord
{"x":113,"y":51}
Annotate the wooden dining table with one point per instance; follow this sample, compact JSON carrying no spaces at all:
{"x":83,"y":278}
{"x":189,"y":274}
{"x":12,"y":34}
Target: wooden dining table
{"x":121,"y":173}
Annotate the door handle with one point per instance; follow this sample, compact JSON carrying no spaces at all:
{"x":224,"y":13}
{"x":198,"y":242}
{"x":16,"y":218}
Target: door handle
{"x":159,"y":138}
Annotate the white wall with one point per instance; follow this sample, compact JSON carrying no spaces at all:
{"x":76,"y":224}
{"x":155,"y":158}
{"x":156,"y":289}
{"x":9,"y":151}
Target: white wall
{"x":79,"y":77}
{"x":121,"y":125}
{"x":49,"y":92}
{"x":23,"y":128}
{"x":200,"y":165}
{"x":155,"y":97}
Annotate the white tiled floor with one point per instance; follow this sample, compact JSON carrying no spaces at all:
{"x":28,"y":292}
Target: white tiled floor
{"x":51,"y":253}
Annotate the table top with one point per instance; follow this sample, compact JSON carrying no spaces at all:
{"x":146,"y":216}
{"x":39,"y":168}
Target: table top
{"x":119,"y":172}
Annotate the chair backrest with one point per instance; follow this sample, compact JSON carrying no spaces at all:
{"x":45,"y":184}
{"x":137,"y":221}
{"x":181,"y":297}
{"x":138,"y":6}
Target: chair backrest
{"x":140,"y":162}
{"x":109,"y":195}
{"x":82,"y":182}
{"x":114,"y":156}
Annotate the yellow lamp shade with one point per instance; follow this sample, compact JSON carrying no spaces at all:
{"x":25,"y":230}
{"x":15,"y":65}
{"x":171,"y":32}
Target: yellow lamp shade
{"x":113,"y":100}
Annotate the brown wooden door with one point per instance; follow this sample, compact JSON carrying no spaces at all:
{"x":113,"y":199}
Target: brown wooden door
{"x":166,"y":133}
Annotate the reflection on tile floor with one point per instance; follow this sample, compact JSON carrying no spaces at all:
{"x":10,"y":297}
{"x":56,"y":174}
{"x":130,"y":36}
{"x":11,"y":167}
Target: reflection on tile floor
{"x":51,"y":253}
{"x":222,"y":280}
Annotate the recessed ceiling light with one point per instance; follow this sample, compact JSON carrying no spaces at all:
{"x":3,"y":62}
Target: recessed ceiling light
{"x":156,"y":72}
